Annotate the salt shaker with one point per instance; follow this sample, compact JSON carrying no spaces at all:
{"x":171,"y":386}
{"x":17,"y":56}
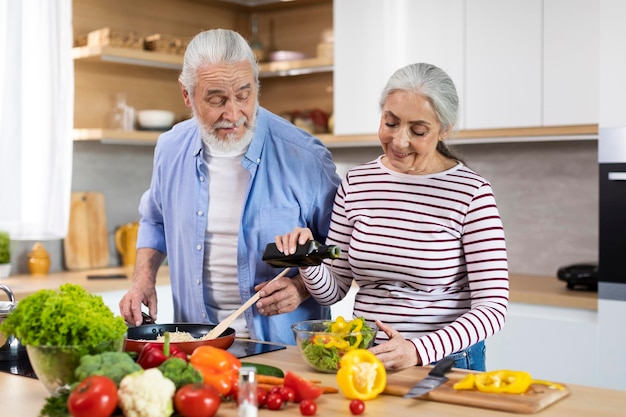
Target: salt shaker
{"x":247,"y":394}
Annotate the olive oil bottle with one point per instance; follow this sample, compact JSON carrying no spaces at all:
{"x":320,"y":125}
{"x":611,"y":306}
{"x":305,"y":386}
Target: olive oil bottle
{"x":310,"y":254}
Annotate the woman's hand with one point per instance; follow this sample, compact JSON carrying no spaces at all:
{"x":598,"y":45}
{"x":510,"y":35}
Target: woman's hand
{"x":288,"y":243}
{"x":397,"y":353}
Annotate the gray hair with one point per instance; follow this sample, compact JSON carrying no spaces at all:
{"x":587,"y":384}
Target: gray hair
{"x":212,"y":47}
{"x":433,"y":83}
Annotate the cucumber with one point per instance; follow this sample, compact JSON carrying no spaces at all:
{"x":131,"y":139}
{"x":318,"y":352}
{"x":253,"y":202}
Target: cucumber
{"x":265,"y":369}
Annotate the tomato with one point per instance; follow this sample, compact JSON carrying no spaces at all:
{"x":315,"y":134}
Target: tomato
{"x":287,"y":394}
{"x":274,"y":401}
{"x":357,"y":407}
{"x":197,"y":400}
{"x":308,"y":407}
{"x":302,"y":388}
{"x":94,"y":396}
{"x":261,"y":396}
{"x":275,"y":389}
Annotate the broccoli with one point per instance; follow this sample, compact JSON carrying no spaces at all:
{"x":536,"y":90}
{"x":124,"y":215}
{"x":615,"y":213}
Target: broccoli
{"x":115,"y":365}
{"x":180,"y":372}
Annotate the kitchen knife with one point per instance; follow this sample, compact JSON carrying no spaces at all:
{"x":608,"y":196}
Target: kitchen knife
{"x":435,"y":378}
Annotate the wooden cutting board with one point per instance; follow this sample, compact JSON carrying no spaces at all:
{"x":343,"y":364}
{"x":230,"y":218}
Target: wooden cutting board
{"x":86,"y":245}
{"x":536,"y":399}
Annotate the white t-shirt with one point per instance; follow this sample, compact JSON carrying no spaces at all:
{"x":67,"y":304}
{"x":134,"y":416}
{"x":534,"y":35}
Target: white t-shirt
{"x":227,"y":186}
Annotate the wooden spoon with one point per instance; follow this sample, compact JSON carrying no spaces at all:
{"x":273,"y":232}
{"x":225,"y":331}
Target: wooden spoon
{"x":223,"y":325}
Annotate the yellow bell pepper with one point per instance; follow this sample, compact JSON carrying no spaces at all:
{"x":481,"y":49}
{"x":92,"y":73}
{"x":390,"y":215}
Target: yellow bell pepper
{"x":361,"y":375}
{"x":502,"y":381}
{"x":512,"y":382}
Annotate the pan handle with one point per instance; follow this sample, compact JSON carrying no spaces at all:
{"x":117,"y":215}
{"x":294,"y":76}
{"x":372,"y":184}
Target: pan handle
{"x":146,"y":318}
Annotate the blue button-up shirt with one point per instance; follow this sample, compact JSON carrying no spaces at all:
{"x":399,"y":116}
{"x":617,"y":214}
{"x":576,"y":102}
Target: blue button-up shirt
{"x":293,"y":182}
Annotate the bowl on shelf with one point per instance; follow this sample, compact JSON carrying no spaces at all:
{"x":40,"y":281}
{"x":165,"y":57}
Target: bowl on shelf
{"x":55,"y":365}
{"x":155,"y":119}
{"x":138,"y":336}
{"x":322,"y":342}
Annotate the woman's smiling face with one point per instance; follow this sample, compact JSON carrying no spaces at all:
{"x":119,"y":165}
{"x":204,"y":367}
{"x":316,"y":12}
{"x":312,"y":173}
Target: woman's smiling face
{"x":409,"y":131}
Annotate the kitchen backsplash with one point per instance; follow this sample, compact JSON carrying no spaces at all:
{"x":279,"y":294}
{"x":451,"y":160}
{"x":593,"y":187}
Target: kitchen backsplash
{"x":547,"y":193}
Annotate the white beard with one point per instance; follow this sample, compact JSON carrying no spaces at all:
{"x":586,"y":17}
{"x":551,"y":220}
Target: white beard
{"x":230,"y":144}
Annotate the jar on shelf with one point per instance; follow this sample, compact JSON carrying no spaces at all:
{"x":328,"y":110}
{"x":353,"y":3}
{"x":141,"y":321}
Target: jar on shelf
{"x":38,"y":260}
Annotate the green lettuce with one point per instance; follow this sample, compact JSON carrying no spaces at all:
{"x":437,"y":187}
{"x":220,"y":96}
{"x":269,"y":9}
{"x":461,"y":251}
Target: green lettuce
{"x":68,"y":317}
{"x":320,"y":357}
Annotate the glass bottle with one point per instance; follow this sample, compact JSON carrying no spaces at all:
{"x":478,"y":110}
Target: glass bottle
{"x":247,"y":392}
{"x":121,"y":116}
{"x":255,"y":40}
{"x":310,"y":254}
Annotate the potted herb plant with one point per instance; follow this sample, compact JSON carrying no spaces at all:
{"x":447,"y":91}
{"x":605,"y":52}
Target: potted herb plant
{"x":5,"y":254}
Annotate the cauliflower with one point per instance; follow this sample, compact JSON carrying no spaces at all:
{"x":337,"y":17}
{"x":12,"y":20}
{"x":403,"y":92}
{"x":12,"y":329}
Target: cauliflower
{"x":146,"y":394}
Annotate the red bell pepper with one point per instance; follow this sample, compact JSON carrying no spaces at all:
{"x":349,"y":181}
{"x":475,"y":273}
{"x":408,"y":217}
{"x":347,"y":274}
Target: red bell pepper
{"x":154,"y":354}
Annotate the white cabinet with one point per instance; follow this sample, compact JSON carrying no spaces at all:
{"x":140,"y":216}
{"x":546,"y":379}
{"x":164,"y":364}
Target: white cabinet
{"x":516,"y":63}
{"x":559,"y":344}
{"x":571,"y":71}
{"x":373,"y":38}
{"x":503,"y":63}
{"x":612,"y":63}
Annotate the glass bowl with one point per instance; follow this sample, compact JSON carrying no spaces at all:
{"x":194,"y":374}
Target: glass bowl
{"x":55,"y":365}
{"x":322,"y":349}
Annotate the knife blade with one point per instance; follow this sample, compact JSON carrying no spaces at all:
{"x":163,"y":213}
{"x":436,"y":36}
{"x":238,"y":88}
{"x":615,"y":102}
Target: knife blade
{"x":435,"y":378}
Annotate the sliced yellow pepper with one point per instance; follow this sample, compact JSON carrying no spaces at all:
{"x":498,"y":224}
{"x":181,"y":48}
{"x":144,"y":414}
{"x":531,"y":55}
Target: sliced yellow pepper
{"x":361,"y":375}
{"x":502,"y":381}
{"x":512,"y":382}
{"x":339,"y":326}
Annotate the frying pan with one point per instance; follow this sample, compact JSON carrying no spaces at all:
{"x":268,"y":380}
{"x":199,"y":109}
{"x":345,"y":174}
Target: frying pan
{"x":137,"y":337}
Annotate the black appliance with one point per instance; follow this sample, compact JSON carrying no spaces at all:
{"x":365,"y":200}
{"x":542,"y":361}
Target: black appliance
{"x":583,"y":276}
{"x":612,"y":213}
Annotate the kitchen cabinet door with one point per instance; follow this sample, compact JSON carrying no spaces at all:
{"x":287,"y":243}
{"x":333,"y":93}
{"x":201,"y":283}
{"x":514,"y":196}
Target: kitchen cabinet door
{"x":503,"y":71}
{"x":374,"y":38}
{"x":553,"y":343}
{"x":612,"y":63}
{"x":571,"y":72}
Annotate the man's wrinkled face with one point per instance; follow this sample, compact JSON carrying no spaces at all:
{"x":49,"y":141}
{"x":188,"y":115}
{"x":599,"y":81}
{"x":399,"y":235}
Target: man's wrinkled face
{"x":225,"y":102}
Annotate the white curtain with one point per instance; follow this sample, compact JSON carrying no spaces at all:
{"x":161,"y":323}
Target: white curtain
{"x":36,"y":117}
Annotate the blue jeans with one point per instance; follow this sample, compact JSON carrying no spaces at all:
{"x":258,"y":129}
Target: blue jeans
{"x":471,"y":358}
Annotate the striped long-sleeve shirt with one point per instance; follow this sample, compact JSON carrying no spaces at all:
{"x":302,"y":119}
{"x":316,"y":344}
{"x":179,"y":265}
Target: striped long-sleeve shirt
{"x":428,"y":254}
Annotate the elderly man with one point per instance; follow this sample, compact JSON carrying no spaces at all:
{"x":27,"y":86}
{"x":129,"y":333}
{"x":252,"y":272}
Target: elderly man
{"x":224,"y":183}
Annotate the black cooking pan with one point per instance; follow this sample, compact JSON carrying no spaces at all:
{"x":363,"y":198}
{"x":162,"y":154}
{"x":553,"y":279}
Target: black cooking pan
{"x":138,"y":336}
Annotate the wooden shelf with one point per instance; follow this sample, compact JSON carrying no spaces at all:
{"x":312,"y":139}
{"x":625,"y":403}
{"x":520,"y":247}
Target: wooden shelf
{"x":175,"y":62}
{"x":122,"y":137}
{"x":468,"y":137}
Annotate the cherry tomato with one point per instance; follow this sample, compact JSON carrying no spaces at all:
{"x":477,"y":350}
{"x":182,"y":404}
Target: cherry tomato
{"x":197,"y":400}
{"x":288,"y":394}
{"x":357,"y":407}
{"x":94,"y":396}
{"x":274,"y":401}
{"x":261,"y":396}
{"x":275,"y":389}
{"x":308,"y":407}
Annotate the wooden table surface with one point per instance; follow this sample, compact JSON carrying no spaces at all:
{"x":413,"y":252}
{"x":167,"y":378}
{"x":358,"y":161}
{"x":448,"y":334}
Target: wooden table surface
{"x":24,"y":397}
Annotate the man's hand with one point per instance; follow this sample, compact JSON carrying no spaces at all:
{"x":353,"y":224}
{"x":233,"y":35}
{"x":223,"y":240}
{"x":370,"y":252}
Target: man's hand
{"x":142,"y":290}
{"x":281,"y":296}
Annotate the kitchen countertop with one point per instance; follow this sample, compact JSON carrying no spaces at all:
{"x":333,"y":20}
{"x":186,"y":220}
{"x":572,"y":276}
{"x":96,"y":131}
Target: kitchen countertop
{"x":22,"y":396}
{"x":529,"y":289}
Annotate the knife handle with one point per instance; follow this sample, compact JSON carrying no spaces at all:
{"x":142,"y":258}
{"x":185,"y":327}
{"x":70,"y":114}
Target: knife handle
{"x":442,"y":367}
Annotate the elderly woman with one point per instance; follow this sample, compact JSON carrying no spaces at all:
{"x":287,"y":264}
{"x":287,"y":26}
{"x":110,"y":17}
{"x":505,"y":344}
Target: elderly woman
{"x":420,"y":234}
